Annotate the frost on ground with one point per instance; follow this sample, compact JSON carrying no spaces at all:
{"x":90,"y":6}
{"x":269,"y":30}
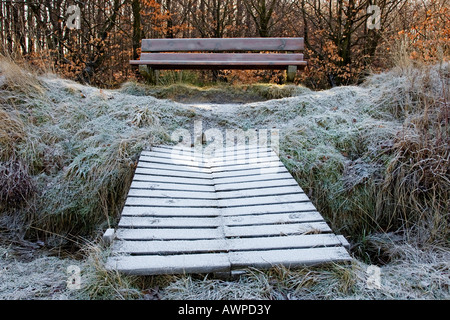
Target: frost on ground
{"x":412,"y":274}
{"x":77,"y":147}
{"x":42,"y":277}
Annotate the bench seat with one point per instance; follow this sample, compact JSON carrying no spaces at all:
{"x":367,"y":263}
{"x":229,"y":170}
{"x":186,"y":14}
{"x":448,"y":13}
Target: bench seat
{"x":220,"y":60}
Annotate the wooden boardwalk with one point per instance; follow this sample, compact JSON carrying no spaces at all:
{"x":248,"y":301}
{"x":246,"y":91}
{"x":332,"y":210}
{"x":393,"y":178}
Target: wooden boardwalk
{"x":197,"y":214}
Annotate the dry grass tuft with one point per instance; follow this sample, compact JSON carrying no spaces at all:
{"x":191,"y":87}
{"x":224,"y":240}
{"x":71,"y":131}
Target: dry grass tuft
{"x":11,"y":133}
{"x":16,"y":184}
{"x":19,"y":79}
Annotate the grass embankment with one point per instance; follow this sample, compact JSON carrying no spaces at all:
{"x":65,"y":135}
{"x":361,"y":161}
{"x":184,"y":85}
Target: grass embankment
{"x":69,"y":151}
{"x":374,"y":160}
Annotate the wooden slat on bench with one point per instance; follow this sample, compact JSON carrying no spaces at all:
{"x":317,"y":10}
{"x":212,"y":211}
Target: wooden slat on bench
{"x":222,"y":57}
{"x":223,"y":44}
{"x":170,"y":64}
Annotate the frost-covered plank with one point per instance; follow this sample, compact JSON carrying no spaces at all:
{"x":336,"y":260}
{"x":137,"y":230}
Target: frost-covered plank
{"x":295,"y":189}
{"x":171,"y":194}
{"x":276,"y":229}
{"x":174,"y":173}
{"x":289,"y":258}
{"x":170,"y":202}
{"x":282,"y":242}
{"x":269,"y":208}
{"x":256,"y":184}
{"x":169,"y":234}
{"x":277,"y":199}
{"x":257,"y":177}
{"x":154,"y":211}
{"x":172,"y":186}
{"x":171,"y":166}
{"x":170,"y":247}
{"x":167,"y":222}
{"x":239,"y":167}
{"x":272,"y":218}
{"x":172,"y":264}
{"x":261,"y":171}
{"x":153,"y":178}
{"x":177,"y":162}
{"x":232,"y":161}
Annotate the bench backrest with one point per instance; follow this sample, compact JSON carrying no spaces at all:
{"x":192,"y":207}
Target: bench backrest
{"x":222,"y":44}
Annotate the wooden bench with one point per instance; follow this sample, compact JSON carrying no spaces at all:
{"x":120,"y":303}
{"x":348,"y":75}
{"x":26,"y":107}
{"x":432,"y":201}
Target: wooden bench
{"x":219,"y":54}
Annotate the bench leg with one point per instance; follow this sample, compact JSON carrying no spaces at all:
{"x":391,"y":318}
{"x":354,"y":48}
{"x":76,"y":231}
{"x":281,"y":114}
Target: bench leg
{"x":150,"y":74}
{"x":290,"y":73}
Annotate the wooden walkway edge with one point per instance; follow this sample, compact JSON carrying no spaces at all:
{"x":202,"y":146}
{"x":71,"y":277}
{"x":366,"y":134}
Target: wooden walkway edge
{"x":189,"y":213}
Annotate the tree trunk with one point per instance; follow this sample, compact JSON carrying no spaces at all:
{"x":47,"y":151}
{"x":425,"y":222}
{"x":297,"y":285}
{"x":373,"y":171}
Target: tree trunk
{"x":137,"y":32}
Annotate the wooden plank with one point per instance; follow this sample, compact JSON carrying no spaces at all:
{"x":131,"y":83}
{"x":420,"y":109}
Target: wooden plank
{"x":256,"y":185}
{"x":170,"y":149}
{"x":282,"y":242}
{"x":155,"y":211}
{"x":217,"y":63}
{"x":237,"y":149}
{"x":169,"y":234}
{"x":223,"y":44}
{"x":174,"y":264}
{"x":170,"y":247}
{"x":257,"y":177}
{"x":269,"y":208}
{"x":174,"y":156}
{"x":230,"y":148}
{"x":173,"y":173}
{"x":263,"y":200}
{"x":253,"y":156}
{"x":272,"y":218}
{"x":177,"y":162}
{"x":171,"y":186}
{"x":238,"y":173}
{"x":276,"y":229}
{"x":247,"y":166}
{"x":294,"y":189}
{"x":222,"y":245}
{"x":244,"y":148}
{"x":343,"y":242}
{"x":242,"y":160}
{"x":162,"y":222}
{"x":221,"y":155}
{"x":289,"y":258}
{"x":186,"y":181}
{"x":169,"y":65}
{"x":172,"y":167}
{"x":222,"y":57}
{"x":165,"y":202}
{"x":171,"y":194}
{"x":166,"y":222}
